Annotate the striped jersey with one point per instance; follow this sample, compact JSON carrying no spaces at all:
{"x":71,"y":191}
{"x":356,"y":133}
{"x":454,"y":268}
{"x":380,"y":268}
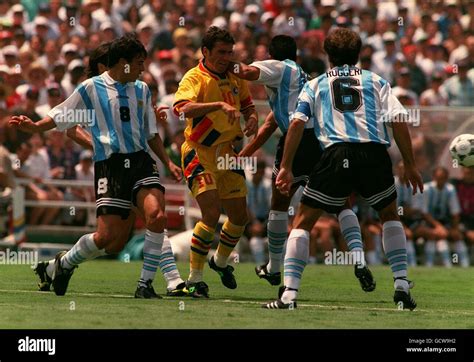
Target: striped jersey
{"x":349,"y":104}
{"x":119,"y":117}
{"x":283,"y":81}
{"x":202,"y":85}
{"x":441,"y":204}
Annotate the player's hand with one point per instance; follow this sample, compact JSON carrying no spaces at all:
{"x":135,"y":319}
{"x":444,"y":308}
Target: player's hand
{"x":413,"y":177}
{"x":160,"y":113}
{"x":284,"y":181}
{"x":232,"y":114}
{"x":251,"y":127}
{"x":23,"y":123}
{"x":175,"y":171}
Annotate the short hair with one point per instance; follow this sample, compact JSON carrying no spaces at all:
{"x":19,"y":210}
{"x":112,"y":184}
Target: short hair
{"x":100,"y":55}
{"x":343,"y":46}
{"x":127,"y":47}
{"x":282,"y":47}
{"x":215,"y":34}
{"x":442,"y":169}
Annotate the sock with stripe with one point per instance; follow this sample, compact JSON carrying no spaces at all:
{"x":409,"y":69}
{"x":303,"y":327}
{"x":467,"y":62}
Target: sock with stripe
{"x":230,"y":236}
{"x":443,"y":248}
{"x":350,"y":229}
{"x":461,"y":250}
{"x":430,"y":250}
{"x":277,"y":230}
{"x":203,"y":236}
{"x":151,"y":256}
{"x":411,"y":254}
{"x":296,"y":258}
{"x":84,"y":249}
{"x":168,"y":264}
{"x":394,"y":244}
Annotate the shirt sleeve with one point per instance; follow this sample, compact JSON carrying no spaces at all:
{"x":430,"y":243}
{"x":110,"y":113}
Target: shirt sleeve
{"x":389,"y":104}
{"x":150,"y":119}
{"x":305,"y":105}
{"x":188,"y":91}
{"x":64,"y":115}
{"x":454,"y":206}
{"x":271,"y":72}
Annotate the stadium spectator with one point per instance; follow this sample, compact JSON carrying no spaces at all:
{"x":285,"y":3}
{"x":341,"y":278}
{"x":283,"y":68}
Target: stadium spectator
{"x":383,"y":61}
{"x":441,"y":212}
{"x":258,"y":204}
{"x":54,"y":98}
{"x":433,"y":96}
{"x":465,"y":190}
{"x":459,"y":89}
{"x":402,"y":89}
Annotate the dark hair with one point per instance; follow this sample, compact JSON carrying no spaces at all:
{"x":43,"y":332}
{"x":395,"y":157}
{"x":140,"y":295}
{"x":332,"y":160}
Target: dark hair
{"x":343,"y":46}
{"x":282,"y":47}
{"x":442,"y":169}
{"x":127,"y":47}
{"x":100,"y":55}
{"x":215,"y":34}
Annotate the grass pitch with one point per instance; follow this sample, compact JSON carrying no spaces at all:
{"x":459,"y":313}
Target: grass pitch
{"x":100,"y":295}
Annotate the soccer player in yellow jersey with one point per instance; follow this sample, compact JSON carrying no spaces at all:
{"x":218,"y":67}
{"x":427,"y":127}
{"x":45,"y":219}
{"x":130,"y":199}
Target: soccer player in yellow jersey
{"x":212,"y":101}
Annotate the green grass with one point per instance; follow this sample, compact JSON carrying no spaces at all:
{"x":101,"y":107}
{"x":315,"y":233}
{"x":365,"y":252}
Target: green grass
{"x":100,"y":296}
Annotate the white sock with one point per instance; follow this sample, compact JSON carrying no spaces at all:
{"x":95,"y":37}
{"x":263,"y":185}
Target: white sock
{"x":350,"y":229}
{"x":461,"y":250}
{"x":84,"y":249}
{"x":168,"y":264}
{"x":277,"y":230}
{"x":411,"y":253}
{"x":296,"y":257}
{"x":442,"y":247}
{"x":430,"y":249}
{"x":151,"y":256}
{"x":394,"y":244}
{"x":257,"y":247}
{"x":50,"y":268}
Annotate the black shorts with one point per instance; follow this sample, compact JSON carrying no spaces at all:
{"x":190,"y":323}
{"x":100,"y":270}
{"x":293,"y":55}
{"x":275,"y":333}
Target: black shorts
{"x":307,"y":155}
{"x":118,"y":179}
{"x":365,"y":168}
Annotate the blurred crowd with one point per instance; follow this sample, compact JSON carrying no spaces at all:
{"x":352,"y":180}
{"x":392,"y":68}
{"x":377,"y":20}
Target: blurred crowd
{"x":425,"y":49}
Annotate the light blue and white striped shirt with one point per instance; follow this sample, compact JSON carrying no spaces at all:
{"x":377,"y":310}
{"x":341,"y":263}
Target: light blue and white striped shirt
{"x":441,"y":204}
{"x":283,"y":81}
{"x":349,"y":105}
{"x":119,"y":117}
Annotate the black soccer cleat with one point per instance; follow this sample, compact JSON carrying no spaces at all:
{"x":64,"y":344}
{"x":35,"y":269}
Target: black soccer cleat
{"x":278,"y":304}
{"x":366,"y":279}
{"x":45,"y":281}
{"x":404,"y":300}
{"x":226,"y":274}
{"x":196,"y":290}
{"x":272,"y":278}
{"x":178,"y":291}
{"x":146,"y":292}
{"x":61,"y":276}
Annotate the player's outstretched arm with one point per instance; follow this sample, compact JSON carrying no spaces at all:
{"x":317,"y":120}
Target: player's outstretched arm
{"x":264,"y":133}
{"x":293,"y":138}
{"x":156,"y":145}
{"x":401,"y":134}
{"x":251,"y":121}
{"x":195,"y":110}
{"x":25,"y":124}
{"x":244,"y":71}
{"x":81,"y":137}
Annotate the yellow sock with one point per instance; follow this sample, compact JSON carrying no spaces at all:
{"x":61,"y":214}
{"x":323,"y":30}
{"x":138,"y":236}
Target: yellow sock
{"x":230,"y":236}
{"x":203,"y":236}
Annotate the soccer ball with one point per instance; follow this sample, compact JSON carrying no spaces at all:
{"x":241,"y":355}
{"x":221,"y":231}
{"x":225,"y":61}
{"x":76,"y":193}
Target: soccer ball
{"x":462,"y":149}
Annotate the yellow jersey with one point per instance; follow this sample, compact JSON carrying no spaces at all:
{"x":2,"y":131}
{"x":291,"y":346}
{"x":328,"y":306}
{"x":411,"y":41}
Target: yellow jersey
{"x":201,"y":85}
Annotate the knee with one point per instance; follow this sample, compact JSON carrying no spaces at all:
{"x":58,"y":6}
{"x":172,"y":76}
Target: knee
{"x":156,"y":221}
{"x":211,"y":216}
{"x":388,"y":215}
